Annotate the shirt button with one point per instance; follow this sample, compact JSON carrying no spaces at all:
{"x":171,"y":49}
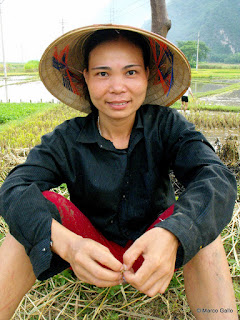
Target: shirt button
{"x":124,"y":196}
{"x":44,"y":249}
{"x":111,"y":221}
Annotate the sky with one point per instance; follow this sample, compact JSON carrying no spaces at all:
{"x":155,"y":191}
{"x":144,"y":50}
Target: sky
{"x":29,"y":26}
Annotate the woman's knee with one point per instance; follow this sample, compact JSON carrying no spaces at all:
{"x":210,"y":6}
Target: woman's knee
{"x":14,"y":253}
{"x":208,"y":256}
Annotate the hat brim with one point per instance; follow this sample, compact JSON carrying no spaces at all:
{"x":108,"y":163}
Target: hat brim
{"x":61,"y":68}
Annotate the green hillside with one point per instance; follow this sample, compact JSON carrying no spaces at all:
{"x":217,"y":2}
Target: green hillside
{"x":218,"y":22}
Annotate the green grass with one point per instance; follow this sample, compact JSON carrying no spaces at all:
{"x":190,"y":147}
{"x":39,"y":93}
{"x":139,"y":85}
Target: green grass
{"x":215,"y":73}
{"x":27,"y":131}
{"x":19,"y":111}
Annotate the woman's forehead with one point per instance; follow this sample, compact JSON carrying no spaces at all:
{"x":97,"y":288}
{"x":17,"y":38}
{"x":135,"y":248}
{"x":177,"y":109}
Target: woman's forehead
{"x":114,"y":49}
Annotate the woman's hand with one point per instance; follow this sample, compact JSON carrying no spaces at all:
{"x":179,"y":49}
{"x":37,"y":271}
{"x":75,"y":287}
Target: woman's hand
{"x":89,"y":260}
{"x":159,"y":249}
{"x":92,"y":262}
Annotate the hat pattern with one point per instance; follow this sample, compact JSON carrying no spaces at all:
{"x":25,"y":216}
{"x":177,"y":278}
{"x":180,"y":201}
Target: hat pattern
{"x":163,"y":58}
{"x":70,"y":80}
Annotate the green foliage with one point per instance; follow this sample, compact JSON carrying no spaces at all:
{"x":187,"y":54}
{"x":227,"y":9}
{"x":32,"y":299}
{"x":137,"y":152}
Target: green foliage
{"x":234,"y":58}
{"x":31,"y":66}
{"x":1,"y":237}
{"x":226,"y":58}
{"x":217,"y":57}
{"x":12,"y":68}
{"x":16,"y":111}
{"x":63,"y":278}
{"x":189,"y":48}
{"x":213,"y":65}
{"x":112,"y":316}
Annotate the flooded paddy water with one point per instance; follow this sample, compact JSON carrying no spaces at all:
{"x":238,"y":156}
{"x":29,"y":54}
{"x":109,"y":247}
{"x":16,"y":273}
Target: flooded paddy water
{"x":226,"y":99}
{"x":231,"y":98}
{"x":218,"y":137}
{"x":22,"y":89}
{"x":201,"y":86}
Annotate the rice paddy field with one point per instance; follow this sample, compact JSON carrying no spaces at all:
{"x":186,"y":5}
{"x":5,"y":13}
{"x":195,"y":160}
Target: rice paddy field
{"x":219,"y":73}
{"x":63,"y":296}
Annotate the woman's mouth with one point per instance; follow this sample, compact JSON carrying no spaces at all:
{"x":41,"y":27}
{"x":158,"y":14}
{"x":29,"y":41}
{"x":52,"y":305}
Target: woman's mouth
{"x":118,"y":105}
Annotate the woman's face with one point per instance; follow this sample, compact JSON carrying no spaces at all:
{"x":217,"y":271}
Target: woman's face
{"x":116,"y":78}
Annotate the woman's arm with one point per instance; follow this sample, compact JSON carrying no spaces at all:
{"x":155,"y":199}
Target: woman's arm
{"x":27,"y":212}
{"x":206,"y":205}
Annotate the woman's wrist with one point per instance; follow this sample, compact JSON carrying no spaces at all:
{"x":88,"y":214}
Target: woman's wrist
{"x":62,"y":240}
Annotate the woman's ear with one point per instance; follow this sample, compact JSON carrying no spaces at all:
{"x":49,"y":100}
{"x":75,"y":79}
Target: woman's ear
{"x":147,"y":73}
{"x":85,"y":74}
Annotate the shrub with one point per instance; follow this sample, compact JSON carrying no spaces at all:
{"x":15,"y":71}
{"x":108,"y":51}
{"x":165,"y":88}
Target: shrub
{"x":31,"y":66}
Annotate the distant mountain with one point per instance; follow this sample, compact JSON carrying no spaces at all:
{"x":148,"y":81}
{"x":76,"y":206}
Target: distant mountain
{"x":218,"y":22}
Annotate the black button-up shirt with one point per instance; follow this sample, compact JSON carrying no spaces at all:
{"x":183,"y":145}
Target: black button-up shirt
{"x":121,"y":191}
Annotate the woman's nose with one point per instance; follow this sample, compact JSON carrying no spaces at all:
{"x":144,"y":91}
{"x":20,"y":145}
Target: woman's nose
{"x":117,"y":85}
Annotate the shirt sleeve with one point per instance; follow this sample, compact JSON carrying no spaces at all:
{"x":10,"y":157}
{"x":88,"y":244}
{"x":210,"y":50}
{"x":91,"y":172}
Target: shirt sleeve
{"x":206,"y":205}
{"x":27,"y":212}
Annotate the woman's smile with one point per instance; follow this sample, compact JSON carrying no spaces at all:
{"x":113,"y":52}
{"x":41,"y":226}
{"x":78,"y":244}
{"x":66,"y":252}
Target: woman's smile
{"x":118,"y":105}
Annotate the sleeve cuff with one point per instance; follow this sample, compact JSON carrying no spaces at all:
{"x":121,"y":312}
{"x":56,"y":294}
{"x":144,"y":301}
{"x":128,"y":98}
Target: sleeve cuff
{"x":46,"y":263}
{"x":187,"y":233}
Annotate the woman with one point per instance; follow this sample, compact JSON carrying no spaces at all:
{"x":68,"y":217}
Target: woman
{"x":122,"y":220}
{"x":184,"y":99}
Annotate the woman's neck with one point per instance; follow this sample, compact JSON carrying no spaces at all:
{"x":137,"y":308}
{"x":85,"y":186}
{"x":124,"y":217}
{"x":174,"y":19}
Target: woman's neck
{"x":118,"y":131}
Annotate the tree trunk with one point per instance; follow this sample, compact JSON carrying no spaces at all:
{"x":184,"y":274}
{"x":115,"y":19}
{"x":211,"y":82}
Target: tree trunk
{"x":161,"y":24}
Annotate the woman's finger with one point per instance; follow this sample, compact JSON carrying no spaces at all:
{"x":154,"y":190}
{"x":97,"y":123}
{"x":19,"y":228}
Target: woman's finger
{"x":157,"y":283}
{"x":91,"y":272}
{"x":145,"y":272}
{"x":106,"y":258}
{"x":132,"y":254}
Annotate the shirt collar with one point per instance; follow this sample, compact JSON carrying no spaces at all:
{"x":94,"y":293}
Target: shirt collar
{"x":89,"y":133}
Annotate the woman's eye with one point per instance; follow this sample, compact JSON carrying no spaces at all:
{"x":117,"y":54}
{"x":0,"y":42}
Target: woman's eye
{"x":131,"y":72}
{"x":102,"y":74}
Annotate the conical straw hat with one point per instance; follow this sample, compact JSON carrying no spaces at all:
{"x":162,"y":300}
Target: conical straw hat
{"x":62,"y":64}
